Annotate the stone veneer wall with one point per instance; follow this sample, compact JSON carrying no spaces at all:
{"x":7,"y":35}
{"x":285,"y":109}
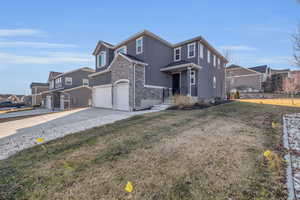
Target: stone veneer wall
{"x":145,"y":96}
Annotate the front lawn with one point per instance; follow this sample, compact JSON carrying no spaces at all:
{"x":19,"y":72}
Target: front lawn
{"x":210,"y":154}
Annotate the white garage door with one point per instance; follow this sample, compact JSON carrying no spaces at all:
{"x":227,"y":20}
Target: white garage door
{"x":102,"y":97}
{"x":122,"y":96}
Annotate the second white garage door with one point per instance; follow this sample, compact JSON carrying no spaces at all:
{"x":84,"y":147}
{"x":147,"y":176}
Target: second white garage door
{"x":121,"y":96}
{"x":102,"y":97}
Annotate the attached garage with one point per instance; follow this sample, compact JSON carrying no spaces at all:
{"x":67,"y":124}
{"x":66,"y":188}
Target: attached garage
{"x":102,"y":96}
{"x":121,"y":96}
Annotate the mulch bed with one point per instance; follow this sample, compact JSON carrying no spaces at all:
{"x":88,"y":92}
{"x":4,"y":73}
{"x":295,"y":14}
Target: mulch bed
{"x":197,"y":106}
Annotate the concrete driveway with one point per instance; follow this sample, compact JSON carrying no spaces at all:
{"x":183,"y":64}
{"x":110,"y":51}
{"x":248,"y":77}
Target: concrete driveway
{"x":21,"y":134}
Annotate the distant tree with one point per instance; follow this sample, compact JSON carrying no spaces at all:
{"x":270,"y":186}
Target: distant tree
{"x":297,"y":47}
{"x":228,"y":54}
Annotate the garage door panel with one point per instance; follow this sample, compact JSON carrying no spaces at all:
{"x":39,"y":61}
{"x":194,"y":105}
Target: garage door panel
{"x":122,"y":96}
{"x":102,"y":97}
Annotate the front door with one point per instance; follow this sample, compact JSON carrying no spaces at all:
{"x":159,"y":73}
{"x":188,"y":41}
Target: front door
{"x":176,"y":83}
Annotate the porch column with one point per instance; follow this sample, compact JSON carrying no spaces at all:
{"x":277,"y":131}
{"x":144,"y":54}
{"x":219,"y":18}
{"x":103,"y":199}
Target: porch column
{"x":189,"y":92}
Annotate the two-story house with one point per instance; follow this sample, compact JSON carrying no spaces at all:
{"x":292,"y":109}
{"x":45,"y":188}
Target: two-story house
{"x":36,"y":92}
{"x":69,"y":89}
{"x":140,"y":71}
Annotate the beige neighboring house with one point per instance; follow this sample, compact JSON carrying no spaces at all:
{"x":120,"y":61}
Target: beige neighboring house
{"x":36,"y":92}
{"x":243,"y":79}
{"x":291,"y":82}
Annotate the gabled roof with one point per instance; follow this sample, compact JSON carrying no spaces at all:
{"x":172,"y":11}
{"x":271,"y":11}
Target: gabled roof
{"x":260,"y":69}
{"x":53,"y":74}
{"x":236,"y":70}
{"x":79,"y":69}
{"x":150,"y":34}
{"x":36,"y":84}
{"x":130,"y":58}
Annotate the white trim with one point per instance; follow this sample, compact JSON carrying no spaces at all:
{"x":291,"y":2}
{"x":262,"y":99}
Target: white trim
{"x":188,"y":51}
{"x":175,"y":54}
{"x":125,"y":50}
{"x":142,"y":46}
{"x":208,"y":56}
{"x":154,"y":86}
{"x":201,"y":50}
{"x":70,"y":79}
{"x":87,"y":81}
{"x":114,"y":60}
{"x":194,"y":77}
{"x":244,"y":75}
{"x":214,"y":60}
{"x":98,"y":73}
{"x":180,"y":66}
{"x":121,"y":81}
{"x":82,"y":69}
{"x":214,"y":82}
{"x":102,"y":86}
{"x":75,"y":88}
{"x":99,"y":65}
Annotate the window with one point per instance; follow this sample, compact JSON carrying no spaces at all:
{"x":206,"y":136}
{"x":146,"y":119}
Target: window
{"x":68,"y":80}
{"x":139,"y":45}
{"x":231,"y":81}
{"x":214,"y":82}
{"x":193,"y":77}
{"x":215,"y":60}
{"x":51,"y":84}
{"x":201,"y":50}
{"x":85,"y":81}
{"x":219,"y":63}
{"x":101,"y":59}
{"x":191,"y":50}
{"x":58,"y":82}
{"x":177,"y":54}
{"x":122,"y":49}
{"x":208,"y":56}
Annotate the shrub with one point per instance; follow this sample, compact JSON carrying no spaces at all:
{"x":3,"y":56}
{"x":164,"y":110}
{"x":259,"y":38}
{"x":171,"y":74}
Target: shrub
{"x":183,"y":101}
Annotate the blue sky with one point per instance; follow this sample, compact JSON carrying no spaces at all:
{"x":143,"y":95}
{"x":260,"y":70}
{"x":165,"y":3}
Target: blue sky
{"x":39,"y":36}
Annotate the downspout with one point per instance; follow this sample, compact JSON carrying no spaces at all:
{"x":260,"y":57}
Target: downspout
{"x":134,"y":86}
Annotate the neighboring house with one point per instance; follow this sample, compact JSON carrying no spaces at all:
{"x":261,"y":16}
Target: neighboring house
{"x":244,"y":79}
{"x":36,"y":92}
{"x":264,"y":70}
{"x":69,"y":89}
{"x":291,"y":82}
{"x":145,"y":69}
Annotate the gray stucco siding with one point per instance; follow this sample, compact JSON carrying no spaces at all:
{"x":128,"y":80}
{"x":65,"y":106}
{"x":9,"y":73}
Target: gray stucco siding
{"x":77,"y":78}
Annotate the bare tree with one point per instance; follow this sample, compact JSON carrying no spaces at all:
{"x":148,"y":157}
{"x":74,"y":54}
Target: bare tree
{"x":296,"y":38}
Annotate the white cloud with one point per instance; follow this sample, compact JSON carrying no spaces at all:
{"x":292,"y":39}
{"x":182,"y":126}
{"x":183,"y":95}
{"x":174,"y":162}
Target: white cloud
{"x":48,"y":58}
{"x":19,"y":32}
{"x":35,"y":44}
{"x":238,"y":48}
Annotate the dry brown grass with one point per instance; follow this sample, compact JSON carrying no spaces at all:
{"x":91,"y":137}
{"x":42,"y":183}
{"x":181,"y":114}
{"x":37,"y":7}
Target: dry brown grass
{"x":183,"y":100}
{"x":205,"y":154}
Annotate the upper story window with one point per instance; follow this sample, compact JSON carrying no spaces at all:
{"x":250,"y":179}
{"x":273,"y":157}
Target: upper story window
{"x":85,"y":81}
{"x":219,"y":63}
{"x":191,"y":50}
{"x":58,"y":82}
{"x":193,"y":77}
{"x":208,"y":56}
{"x":51,"y":84}
{"x":201,"y":50}
{"x":122,"y":49}
{"x":215,"y":60}
{"x":68,"y":80}
{"x":101,"y":59}
{"x":215,"y":82}
{"x":139,"y":45}
{"x":177,"y":54}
